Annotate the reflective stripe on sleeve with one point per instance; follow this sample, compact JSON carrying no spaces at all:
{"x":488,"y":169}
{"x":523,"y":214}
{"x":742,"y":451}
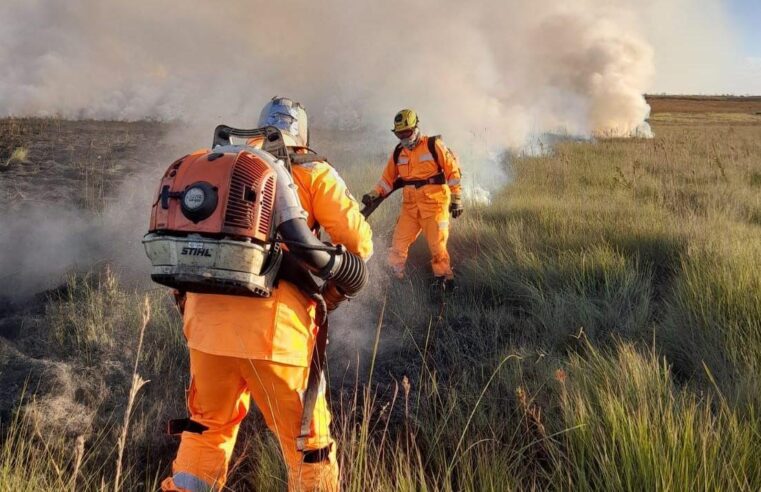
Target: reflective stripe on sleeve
{"x":453,"y":181}
{"x":444,"y":224}
{"x":385,"y":187}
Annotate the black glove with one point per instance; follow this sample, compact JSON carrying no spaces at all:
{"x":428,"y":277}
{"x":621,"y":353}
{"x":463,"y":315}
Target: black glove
{"x":370,"y":197}
{"x":455,"y":208}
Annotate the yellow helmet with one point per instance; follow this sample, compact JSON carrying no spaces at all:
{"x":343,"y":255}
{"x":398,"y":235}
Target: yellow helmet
{"x":406,"y":119}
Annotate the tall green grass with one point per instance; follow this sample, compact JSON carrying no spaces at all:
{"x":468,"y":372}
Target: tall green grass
{"x":636,"y":429}
{"x":605,"y":335}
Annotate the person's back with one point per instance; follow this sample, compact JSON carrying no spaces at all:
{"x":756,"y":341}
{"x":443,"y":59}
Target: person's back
{"x":241,"y":346}
{"x":324,"y":197}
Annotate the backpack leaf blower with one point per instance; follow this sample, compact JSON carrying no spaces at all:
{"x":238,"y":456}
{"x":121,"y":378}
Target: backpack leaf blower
{"x":228,"y":220}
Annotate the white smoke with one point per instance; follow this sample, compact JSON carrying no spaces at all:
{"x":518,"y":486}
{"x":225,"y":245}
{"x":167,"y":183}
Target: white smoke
{"x":511,"y":68}
{"x":487,"y":75}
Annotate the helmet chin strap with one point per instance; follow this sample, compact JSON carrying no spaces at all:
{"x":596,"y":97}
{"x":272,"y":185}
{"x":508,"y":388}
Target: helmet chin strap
{"x":411,"y":142}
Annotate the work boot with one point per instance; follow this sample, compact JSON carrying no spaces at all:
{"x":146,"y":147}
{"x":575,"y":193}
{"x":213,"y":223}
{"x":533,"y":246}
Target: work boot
{"x":449,"y":285}
{"x":440,"y":287}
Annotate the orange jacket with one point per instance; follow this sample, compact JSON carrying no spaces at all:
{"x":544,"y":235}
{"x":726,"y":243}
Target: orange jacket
{"x":280,"y":328}
{"x":418,"y":163}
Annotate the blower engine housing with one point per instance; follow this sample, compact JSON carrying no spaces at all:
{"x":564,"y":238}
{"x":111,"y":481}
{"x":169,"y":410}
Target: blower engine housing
{"x":220,"y":216}
{"x":212,"y":223}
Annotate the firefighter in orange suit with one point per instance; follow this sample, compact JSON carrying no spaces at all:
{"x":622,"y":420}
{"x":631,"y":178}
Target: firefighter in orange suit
{"x":429,"y":175}
{"x":242,"y":347}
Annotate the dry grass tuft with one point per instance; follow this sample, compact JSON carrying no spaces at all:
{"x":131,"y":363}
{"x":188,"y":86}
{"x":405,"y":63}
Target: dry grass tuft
{"x":18,"y":156}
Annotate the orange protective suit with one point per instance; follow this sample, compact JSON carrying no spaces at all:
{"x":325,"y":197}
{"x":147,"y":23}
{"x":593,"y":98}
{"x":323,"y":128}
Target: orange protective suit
{"x":425,"y":208}
{"x":261,"y":347}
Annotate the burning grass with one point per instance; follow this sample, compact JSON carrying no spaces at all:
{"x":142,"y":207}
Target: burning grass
{"x":606,"y":334}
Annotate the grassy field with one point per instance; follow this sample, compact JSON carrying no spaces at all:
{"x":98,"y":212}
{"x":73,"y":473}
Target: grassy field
{"x":705,"y":104}
{"x":605,"y":335}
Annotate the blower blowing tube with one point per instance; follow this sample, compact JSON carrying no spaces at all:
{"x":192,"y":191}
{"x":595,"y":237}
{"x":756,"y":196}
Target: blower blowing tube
{"x":345,"y":270}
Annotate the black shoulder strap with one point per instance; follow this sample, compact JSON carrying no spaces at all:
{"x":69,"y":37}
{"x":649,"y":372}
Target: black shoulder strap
{"x":397,"y":153}
{"x":305,"y":158}
{"x":432,"y":148}
{"x":309,"y":156}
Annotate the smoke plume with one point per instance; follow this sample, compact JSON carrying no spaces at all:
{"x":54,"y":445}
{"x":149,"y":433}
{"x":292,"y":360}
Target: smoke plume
{"x":487,"y":75}
{"x":506,"y":69}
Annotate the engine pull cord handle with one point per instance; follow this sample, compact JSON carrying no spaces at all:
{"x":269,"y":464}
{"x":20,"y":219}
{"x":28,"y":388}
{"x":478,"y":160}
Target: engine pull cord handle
{"x":166,"y":194}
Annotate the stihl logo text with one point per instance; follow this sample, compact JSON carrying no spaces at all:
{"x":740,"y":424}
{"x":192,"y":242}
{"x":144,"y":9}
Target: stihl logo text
{"x":195,"y":252}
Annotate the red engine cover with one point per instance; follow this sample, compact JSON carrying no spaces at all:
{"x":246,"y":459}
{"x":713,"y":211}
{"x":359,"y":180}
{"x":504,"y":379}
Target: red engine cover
{"x":245,"y":186}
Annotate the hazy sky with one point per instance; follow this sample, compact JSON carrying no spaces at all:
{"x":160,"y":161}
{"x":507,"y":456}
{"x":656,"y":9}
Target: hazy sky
{"x":747,"y":15}
{"x":705,"y":46}
{"x":581,"y":65}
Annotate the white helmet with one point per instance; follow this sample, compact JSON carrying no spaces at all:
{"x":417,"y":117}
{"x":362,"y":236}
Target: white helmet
{"x":287,"y":115}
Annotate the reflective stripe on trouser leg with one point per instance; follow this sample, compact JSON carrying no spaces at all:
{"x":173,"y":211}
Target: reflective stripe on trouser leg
{"x":186,"y":482}
{"x":406,"y":231}
{"x":217,"y":398}
{"x":436,"y":231}
{"x":277,"y":390}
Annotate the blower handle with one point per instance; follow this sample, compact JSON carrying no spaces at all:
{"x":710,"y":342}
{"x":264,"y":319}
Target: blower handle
{"x":371,"y":206}
{"x":273,"y":140}
{"x":223,"y":134}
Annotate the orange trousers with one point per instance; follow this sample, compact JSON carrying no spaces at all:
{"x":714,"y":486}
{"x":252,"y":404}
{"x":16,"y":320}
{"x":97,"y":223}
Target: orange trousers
{"x":218,"y":397}
{"x":435,"y":228}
